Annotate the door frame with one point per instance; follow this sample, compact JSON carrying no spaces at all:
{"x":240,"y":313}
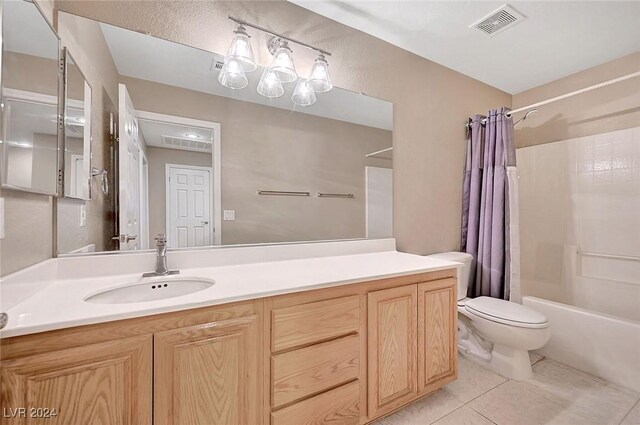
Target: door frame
{"x":167,"y":168}
{"x":216,"y":174}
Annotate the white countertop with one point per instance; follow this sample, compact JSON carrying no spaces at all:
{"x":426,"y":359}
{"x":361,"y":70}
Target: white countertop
{"x":61,"y":304}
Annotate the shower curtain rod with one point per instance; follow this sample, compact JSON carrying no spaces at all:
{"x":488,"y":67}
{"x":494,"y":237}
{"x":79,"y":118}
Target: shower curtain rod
{"x":573,"y":93}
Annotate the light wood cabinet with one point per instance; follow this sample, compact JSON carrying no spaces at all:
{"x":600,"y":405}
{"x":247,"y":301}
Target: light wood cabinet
{"x":107,"y":383}
{"x":340,"y":406}
{"x":392,"y":348}
{"x":437,"y":334}
{"x":207,"y":374}
{"x":311,"y":370}
{"x":412,"y":342}
{"x":306,"y":324}
{"x":343,"y":355}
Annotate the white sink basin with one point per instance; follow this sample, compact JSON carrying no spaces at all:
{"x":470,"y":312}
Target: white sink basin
{"x":150,"y":289}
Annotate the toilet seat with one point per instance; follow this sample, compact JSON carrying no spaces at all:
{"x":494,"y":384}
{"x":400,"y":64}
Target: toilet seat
{"x":505,"y":312}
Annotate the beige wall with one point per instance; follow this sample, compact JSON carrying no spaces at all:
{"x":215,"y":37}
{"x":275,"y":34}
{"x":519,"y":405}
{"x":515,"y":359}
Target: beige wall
{"x":158,"y":158}
{"x":603,"y":110}
{"x":431,"y":102}
{"x":271,"y":149}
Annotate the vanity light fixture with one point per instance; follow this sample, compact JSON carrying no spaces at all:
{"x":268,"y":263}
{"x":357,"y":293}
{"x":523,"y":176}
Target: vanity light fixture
{"x":282,"y":64}
{"x":240,"y":60}
{"x":232,"y":75}
{"x":304,"y":94}
{"x":319,"y":75}
{"x":269,"y":84}
{"x":241,"y":50}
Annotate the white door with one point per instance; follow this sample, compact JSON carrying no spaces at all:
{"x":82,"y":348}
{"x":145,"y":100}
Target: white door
{"x":379,"y":202}
{"x":188,"y":206}
{"x":129,"y":166}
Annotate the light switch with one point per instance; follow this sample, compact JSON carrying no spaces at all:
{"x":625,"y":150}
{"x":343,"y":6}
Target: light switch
{"x":1,"y":218}
{"x":83,"y":215}
{"x":229,"y":215}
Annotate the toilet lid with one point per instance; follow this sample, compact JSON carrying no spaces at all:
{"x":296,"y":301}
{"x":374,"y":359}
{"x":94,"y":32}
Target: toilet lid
{"x":506,"y":312}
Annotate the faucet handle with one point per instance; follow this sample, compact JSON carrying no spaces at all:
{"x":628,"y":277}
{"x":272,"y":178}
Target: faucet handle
{"x":161,"y":238}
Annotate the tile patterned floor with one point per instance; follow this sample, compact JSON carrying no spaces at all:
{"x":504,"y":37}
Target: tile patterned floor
{"x":556,"y":395}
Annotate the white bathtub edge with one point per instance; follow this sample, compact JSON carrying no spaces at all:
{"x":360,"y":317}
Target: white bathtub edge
{"x":599,"y":344}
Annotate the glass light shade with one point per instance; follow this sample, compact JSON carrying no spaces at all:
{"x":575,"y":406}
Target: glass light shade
{"x":282,"y":64}
{"x":241,"y":50}
{"x":304,"y":95}
{"x":232,"y":75}
{"x":319,"y":76}
{"x":269,"y":85}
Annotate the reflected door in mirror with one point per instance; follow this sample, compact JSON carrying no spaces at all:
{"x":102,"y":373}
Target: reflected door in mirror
{"x":129,"y":168}
{"x":189,"y":202}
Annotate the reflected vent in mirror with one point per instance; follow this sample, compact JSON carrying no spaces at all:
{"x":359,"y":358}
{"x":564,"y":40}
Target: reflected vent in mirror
{"x":184,"y":143}
{"x":499,"y":20}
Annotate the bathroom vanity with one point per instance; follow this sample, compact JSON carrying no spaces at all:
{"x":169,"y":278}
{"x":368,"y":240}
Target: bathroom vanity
{"x":344,"y":339}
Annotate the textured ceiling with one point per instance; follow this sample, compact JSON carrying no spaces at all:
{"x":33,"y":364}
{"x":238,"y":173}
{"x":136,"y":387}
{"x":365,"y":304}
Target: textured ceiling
{"x":558,"y":38}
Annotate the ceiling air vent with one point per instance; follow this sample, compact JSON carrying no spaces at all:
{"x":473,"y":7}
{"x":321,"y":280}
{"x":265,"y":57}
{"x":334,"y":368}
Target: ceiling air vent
{"x":173,"y":142}
{"x":499,"y":20}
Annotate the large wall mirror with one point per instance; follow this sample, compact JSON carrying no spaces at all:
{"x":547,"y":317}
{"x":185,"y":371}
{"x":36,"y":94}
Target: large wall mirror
{"x":30,"y":99}
{"x":208,"y":165}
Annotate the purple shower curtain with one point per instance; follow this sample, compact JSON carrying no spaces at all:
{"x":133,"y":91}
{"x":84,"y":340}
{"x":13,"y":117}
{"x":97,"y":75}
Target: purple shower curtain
{"x":485,"y":215}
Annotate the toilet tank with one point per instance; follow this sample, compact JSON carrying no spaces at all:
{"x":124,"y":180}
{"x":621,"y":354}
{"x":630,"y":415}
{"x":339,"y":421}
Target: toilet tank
{"x":465,"y":271}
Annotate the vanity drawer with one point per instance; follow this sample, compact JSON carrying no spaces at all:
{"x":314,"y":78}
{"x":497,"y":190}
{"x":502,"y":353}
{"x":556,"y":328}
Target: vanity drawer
{"x":311,"y":370}
{"x":314,"y":322}
{"x":338,"y":406}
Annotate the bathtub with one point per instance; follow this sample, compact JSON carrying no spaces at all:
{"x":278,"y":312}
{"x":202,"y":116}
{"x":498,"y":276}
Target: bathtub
{"x":596,"y":343}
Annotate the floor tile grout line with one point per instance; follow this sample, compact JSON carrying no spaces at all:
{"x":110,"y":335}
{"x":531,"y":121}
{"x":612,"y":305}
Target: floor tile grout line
{"x":490,"y":389}
{"x":490,"y":420}
{"x":629,"y":412}
{"x":480,"y":395}
{"x":447,"y":414}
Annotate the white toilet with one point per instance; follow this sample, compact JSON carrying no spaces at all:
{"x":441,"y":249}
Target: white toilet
{"x":495,"y":332}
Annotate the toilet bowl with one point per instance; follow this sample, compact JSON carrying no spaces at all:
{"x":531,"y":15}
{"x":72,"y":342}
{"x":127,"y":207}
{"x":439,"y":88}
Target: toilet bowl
{"x":495,"y":332}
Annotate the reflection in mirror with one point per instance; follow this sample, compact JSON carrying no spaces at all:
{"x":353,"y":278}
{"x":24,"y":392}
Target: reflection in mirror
{"x":208,"y":165}
{"x":30,"y":84}
{"x":77,"y":131}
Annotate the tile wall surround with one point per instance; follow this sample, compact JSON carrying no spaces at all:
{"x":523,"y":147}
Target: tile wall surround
{"x":582,"y":194}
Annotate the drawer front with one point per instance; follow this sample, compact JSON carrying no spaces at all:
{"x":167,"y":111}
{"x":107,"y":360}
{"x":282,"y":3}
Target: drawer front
{"x":311,"y":370}
{"x":338,"y":406}
{"x":314,"y":322}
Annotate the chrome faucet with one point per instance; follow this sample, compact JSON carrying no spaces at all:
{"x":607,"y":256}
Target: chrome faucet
{"x":161,"y":258}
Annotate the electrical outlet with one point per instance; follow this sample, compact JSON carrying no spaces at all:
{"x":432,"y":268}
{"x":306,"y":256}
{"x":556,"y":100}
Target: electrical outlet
{"x":229,"y":215}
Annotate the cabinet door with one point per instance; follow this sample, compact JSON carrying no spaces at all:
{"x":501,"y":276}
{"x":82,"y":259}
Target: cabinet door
{"x":208,"y":374}
{"x":100,"y":384}
{"x":392,"y":321}
{"x":437,"y":334}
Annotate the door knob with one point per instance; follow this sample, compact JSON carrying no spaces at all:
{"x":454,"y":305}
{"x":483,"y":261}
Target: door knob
{"x":205,"y":222}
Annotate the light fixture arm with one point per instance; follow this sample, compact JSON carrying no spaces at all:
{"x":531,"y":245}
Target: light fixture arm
{"x":248,"y":24}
